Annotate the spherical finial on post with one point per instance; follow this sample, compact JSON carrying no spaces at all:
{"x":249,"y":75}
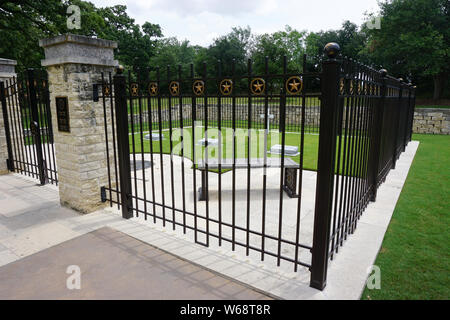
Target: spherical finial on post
{"x":332,"y":50}
{"x":400,"y":80}
{"x":120,"y":69}
{"x":383,"y":72}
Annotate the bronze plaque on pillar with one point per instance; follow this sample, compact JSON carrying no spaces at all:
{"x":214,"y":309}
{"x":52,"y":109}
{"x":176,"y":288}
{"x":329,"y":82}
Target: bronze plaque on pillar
{"x":62,"y":114}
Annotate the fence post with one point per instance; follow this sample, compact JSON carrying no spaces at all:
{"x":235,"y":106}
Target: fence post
{"x":412,"y":113}
{"x":377,"y":133}
{"x":123,"y":143}
{"x":325,"y":166}
{"x":74,"y":63}
{"x":397,"y":122}
{"x":10,"y":159}
{"x":407,"y":115}
{"x":35,"y":128}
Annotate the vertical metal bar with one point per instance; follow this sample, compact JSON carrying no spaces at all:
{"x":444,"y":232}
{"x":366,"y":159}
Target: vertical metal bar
{"x":283,"y":145}
{"x":24,"y":115}
{"x":345,"y":158}
{"x":219,"y":125}
{"x":300,"y":173}
{"x":17,"y":124}
{"x":150,"y":126}
{"x":375,"y":145}
{"x":351,"y":159}
{"x":105,"y":119}
{"x":172,"y":183}
{"x":16,"y":140}
{"x":141,"y":129}
{"x":397,"y":122}
{"x":37,"y":134}
{"x":50,"y":139}
{"x":233,"y":218}
{"x":266,"y":133}
{"x":114,"y":125}
{"x":158,"y":81}
{"x":339,"y":174}
{"x":357,"y":135}
{"x":30,"y":138}
{"x":194,"y":160}
{"x":42,"y":123}
{"x":249,"y":152}
{"x":205,"y":105}
{"x":123,"y":144}
{"x":10,"y":160}
{"x":325,"y":171}
{"x":133,"y":142}
{"x":183,"y":183}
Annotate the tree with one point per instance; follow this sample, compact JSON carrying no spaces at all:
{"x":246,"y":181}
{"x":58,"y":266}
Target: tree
{"x":172,"y":52}
{"x":413,"y":40}
{"x":24,"y":22}
{"x":275,"y":46}
{"x":233,"y":46}
{"x":350,"y":38}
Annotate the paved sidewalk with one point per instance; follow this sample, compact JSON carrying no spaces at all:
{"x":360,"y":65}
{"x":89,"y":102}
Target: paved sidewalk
{"x":114,"y":265}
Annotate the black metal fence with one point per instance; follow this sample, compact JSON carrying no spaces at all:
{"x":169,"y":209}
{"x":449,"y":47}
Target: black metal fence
{"x":180,"y":140}
{"x":27,"y":118}
{"x":366,"y":122}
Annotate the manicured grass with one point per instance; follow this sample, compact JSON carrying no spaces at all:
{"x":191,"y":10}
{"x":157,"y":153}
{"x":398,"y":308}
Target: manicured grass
{"x":257,"y":144}
{"x":414,"y":258}
{"x":432,"y":107}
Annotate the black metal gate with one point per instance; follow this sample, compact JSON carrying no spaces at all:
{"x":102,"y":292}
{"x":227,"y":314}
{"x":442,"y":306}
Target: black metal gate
{"x":27,"y":118}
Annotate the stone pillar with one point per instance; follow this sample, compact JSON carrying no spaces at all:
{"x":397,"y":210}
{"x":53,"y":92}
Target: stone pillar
{"x":7,"y":71}
{"x":74,"y":63}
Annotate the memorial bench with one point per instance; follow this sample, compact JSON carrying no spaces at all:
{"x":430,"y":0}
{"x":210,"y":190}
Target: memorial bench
{"x":290,"y":172}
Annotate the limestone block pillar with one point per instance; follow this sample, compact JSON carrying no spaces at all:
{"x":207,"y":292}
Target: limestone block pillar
{"x":7,"y":71}
{"x":74,"y":63}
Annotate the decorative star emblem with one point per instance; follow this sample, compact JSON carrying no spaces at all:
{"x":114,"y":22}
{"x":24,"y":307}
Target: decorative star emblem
{"x":226,"y":87}
{"x":199,"y":87}
{"x":257,"y":86}
{"x":174,"y":88}
{"x":134,"y":89}
{"x":106,"y":90}
{"x":294,"y":85}
{"x":153,"y":88}
{"x":342,"y":86}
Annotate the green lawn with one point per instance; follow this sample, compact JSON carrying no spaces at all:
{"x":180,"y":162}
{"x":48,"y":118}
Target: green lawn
{"x":257,"y":144}
{"x":414,"y":259}
{"x":433,"y":107}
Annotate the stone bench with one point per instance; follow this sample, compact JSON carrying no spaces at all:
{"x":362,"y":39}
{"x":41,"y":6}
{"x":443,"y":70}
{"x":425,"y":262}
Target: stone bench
{"x":290,"y":171}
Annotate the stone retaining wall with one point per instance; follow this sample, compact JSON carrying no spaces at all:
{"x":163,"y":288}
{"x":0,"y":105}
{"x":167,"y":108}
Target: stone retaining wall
{"x":434,"y":121}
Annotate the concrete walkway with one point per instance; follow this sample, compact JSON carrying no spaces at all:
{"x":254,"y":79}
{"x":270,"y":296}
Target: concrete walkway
{"x":32,"y":220}
{"x":114,"y":265}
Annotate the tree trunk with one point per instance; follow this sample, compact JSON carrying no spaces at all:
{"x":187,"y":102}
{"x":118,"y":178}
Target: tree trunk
{"x":439,"y":85}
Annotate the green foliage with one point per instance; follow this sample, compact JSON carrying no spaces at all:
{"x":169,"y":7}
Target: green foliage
{"x":414,"y":40}
{"x":275,"y":46}
{"x":350,"y":38}
{"x":414,"y":258}
{"x":24,"y":22}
